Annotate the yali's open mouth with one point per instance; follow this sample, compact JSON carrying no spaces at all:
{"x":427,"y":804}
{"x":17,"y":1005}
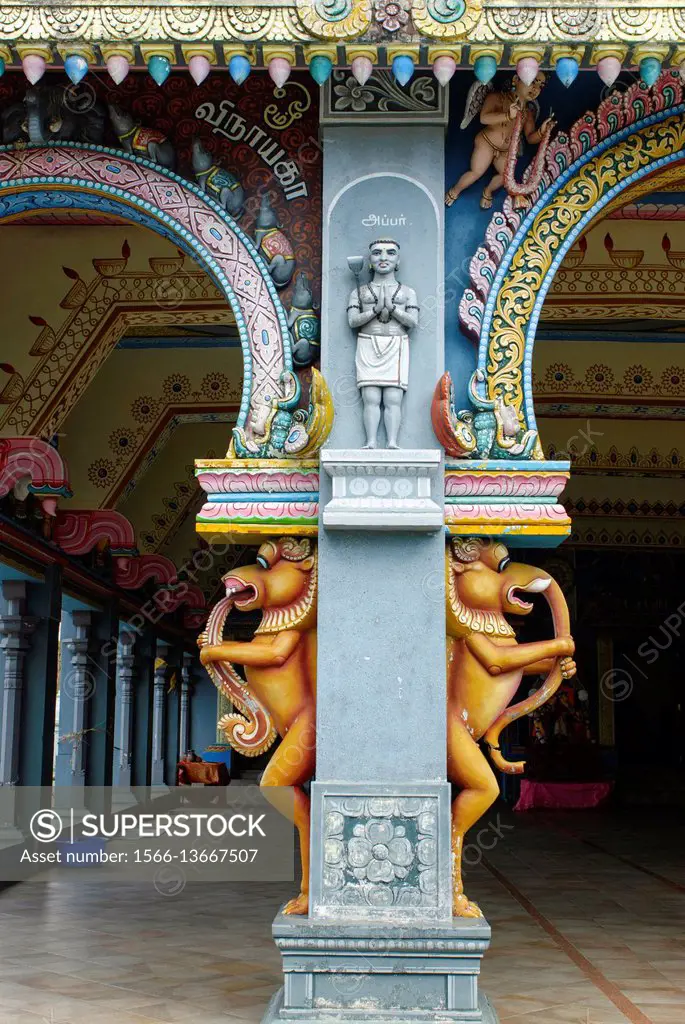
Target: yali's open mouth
{"x":241,"y":592}
{"x":535,"y":586}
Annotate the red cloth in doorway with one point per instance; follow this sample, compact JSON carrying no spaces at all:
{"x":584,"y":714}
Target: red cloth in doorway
{"x":562,"y":795}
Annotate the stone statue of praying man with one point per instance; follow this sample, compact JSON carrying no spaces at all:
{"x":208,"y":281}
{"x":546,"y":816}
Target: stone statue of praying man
{"x":383,"y":312}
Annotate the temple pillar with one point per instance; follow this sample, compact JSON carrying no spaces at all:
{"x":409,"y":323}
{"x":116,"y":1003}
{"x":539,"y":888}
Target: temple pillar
{"x":99,"y":766}
{"x":16,"y":628}
{"x":380,"y":942}
{"x":141,"y":772}
{"x":37,"y":721}
{"x":125,"y":668}
{"x":77,"y":684}
{"x":184,"y":708}
{"x":159,"y":713}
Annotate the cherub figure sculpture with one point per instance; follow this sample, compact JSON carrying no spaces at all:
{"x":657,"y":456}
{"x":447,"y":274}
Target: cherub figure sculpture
{"x":503,"y":115}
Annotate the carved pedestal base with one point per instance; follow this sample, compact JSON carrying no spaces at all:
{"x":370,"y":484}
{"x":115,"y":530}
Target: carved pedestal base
{"x":383,"y":489}
{"x":389,"y":973}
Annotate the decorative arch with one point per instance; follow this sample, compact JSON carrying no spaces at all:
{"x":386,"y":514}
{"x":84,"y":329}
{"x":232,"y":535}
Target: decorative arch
{"x":627,"y":148}
{"x":65,"y":176}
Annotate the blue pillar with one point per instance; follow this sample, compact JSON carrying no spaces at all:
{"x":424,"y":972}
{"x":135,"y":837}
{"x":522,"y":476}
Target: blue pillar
{"x":16,"y":628}
{"x":37,"y":727}
{"x":125,"y":707}
{"x":173,"y":712}
{"x":101,"y":740}
{"x":159,"y":712}
{"x":141,"y":769}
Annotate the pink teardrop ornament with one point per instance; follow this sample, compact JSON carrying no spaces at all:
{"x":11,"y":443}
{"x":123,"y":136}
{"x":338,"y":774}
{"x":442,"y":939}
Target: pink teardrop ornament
{"x":444,"y":68}
{"x":361,"y":68}
{"x":34,"y":67}
{"x":118,"y":67}
{"x":608,"y":69}
{"x":199,"y":68}
{"x":527,"y":69}
{"x":279,"y":71}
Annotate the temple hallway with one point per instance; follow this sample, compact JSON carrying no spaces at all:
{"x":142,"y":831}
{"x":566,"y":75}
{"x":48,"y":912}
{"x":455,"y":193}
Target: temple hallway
{"x":588,"y":913}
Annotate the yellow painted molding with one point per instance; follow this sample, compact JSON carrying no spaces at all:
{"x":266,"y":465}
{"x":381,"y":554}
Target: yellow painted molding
{"x":241,"y":531}
{"x":313,"y":50}
{"x":6,"y":55}
{"x":600,"y":52}
{"x":371,"y":52}
{"x":678,"y":57}
{"x":231,"y":50}
{"x":270,"y":52}
{"x":485,"y":51}
{"x":43,"y":50}
{"x":444,"y":51}
{"x":402,"y":50}
{"x":191,"y":50}
{"x":523,"y":50}
{"x":575,"y":52}
{"x":649,"y":50}
{"x":118,"y":50}
{"x":167,"y":50}
{"x":294,"y":464}
{"x":77,"y":50}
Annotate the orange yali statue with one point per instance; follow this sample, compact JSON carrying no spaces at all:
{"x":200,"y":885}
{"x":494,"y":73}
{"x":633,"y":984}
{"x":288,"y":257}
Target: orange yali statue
{"x":485,"y":666}
{"x":279,"y":697}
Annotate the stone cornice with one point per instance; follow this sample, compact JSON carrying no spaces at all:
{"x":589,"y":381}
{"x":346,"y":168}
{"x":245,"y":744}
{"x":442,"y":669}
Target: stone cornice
{"x":478,"y":22}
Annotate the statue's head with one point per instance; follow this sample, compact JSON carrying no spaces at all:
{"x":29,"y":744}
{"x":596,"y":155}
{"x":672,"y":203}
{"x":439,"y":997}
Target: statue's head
{"x":281,"y":576}
{"x":528,"y":93}
{"x":488,"y":580}
{"x":384,"y":256}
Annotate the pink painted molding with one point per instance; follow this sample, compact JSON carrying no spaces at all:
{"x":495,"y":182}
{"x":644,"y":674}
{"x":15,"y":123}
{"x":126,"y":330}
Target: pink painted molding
{"x":31,"y":465}
{"x":257,"y":482}
{"x":614,"y":113}
{"x":520,"y":513}
{"x":268,"y":511}
{"x":78,"y":532}
{"x":493,"y":484}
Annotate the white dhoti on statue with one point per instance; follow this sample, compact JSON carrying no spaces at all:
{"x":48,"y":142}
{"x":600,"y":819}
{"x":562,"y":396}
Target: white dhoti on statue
{"x":382,"y":361}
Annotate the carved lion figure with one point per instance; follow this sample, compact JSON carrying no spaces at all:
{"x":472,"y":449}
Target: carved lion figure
{"x":279,"y":697}
{"x":485,"y":666}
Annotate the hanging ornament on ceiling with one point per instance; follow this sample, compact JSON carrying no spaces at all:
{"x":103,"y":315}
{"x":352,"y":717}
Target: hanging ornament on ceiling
{"x":361,"y":68}
{"x":567,"y":70}
{"x":199,"y":67}
{"x":239,"y":68}
{"x":76,"y":67}
{"x":34,"y":67}
{"x":279,"y":71}
{"x":402,"y":68}
{"x":527,"y":69}
{"x":444,"y":67}
{"x":159,"y":68}
{"x":320,"y":68}
{"x":608,"y":69}
{"x":118,"y":67}
{"x":650,"y":69}
{"x":485,"y":68}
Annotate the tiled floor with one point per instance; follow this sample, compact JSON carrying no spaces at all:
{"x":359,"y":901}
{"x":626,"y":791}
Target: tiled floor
{"x":588,"y":914}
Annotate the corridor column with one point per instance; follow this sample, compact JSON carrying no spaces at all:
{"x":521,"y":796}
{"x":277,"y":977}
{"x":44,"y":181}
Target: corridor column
{"x":380,"y":942}
{"x":16,"y":629}
{"x":77,"y":683}
{"x":125,"y":670}
{"x":184,"y":715}
{"x":159,"y":713}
